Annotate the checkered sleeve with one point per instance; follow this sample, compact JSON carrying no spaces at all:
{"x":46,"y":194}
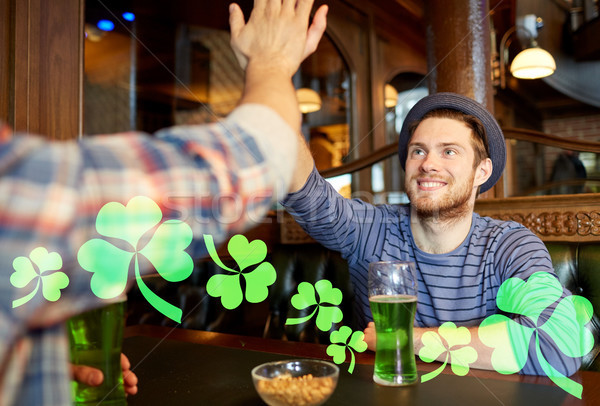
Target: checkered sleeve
{"x":219,"y":179}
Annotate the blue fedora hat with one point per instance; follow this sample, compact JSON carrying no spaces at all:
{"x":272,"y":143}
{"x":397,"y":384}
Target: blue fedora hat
{"x":453,"y":101}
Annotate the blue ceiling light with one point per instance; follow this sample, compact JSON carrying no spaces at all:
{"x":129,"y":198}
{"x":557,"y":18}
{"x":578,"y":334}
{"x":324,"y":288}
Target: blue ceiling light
{"x":128,"y":16}
{"x":106,"y":25}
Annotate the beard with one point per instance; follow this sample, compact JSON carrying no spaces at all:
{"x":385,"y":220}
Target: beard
{"x":453,"y":205}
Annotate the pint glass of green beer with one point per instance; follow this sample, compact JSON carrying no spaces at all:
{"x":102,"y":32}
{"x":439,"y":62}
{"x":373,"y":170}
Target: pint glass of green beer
{"x":393,"y":299}
{"x":95,"y":339}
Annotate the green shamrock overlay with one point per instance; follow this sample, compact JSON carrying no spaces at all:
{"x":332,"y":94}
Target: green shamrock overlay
{"x":306,"y":297}
{"x":340,"y":343}
{"x":566,"y":326}
{"x":47,"y":274}
{"x":165,"y":250}
{"x":433,"y":347}
{"x":228,"y":286}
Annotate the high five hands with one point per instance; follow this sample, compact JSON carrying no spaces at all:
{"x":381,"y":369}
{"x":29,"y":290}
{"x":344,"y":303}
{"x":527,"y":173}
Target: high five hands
{"x":277,"y":33}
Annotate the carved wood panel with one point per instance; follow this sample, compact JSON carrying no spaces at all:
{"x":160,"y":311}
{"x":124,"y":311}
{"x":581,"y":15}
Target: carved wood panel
{"x":557,"y":224}
{"x":552,"y":218}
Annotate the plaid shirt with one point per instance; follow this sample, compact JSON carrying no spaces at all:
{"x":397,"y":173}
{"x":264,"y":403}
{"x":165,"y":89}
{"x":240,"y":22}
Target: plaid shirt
{"x":219,"y":179}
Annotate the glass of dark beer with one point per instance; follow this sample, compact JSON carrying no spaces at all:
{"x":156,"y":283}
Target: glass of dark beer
{"x":393,"y":299}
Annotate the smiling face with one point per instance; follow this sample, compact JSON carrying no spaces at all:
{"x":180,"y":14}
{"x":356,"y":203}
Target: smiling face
{"x":441,"y":175}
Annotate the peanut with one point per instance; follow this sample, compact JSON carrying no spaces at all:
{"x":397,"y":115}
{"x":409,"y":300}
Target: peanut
{"x":296,"y":391}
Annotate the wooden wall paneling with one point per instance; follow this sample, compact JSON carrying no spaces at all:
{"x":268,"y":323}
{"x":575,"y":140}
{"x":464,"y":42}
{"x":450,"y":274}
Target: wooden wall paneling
{"x":5,"y":28}
{"x":552,"y":218}
{"x":48,"y":67}
{"x":377,"y":92}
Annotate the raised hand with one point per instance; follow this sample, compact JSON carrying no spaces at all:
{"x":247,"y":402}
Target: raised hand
{"x":277,"y":35}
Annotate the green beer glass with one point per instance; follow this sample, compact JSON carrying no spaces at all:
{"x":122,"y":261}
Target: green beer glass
{"x":95,"y":339}
{"x":392,"y":289}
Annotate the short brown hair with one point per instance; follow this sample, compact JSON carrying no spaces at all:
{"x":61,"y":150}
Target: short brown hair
{"x":479,"y":137}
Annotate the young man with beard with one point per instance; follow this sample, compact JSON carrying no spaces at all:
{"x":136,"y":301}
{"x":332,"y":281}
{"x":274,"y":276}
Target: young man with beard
{"x":451,"y":148}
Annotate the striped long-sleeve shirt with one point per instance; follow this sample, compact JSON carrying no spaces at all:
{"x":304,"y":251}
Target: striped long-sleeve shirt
{"x":219,"y":179}
{"x":459,"y":286}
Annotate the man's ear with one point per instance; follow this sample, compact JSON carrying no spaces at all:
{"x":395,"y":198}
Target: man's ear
{"x":483,"y":172}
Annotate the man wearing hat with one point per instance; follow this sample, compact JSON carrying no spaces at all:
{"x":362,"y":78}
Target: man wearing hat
{"x":451,"y":148}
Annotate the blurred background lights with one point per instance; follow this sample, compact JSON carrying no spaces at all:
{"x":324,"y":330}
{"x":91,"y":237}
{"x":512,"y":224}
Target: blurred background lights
{"x":128,"y":16}
{"x":93,"y":33}
{"x":106,"y":25}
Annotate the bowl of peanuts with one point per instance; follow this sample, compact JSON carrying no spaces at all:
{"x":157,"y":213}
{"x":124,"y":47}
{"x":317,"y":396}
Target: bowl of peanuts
{"x":298,"y":382}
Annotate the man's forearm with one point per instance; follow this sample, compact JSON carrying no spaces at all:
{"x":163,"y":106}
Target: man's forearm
{"x":272,"y":88}
{"x":449,"y":340}
{"x":484,"y":353}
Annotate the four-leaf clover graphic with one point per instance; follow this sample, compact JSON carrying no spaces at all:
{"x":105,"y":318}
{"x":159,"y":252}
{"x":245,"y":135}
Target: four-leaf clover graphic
{"x":165,"y":250}
{"x":433,"y":347}
{"x":47,"y":275}
{"x":340,"y":343}
{"x":566,"y":326}
{"x":228,"y":286}
{"x":327,"y":315}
